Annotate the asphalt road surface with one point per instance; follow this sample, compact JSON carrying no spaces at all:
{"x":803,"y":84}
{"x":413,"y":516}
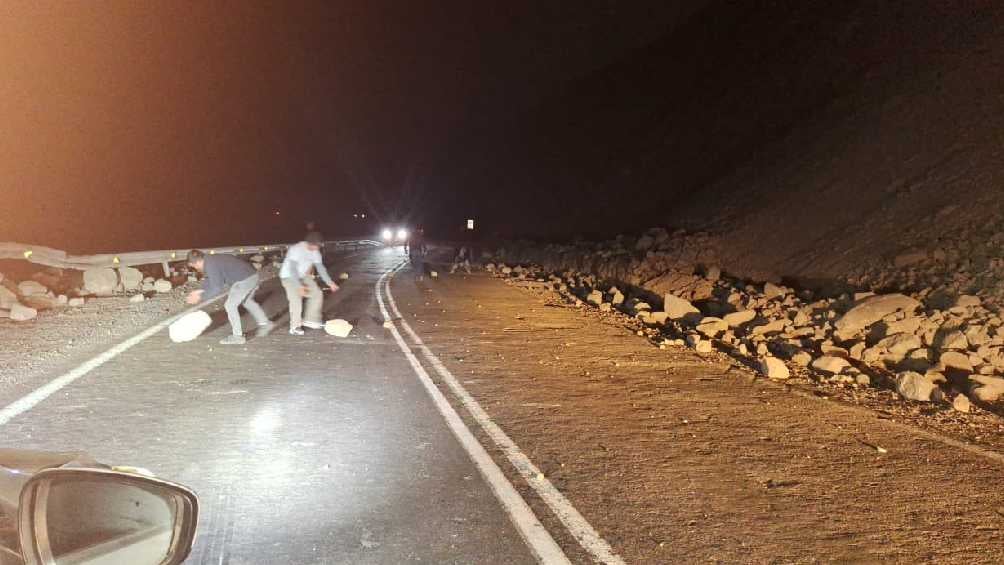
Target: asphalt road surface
{"x":303,"y":450}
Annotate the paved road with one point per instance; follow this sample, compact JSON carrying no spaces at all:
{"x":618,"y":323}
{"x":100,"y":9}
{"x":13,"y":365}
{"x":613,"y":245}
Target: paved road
{"x":303,"y":450}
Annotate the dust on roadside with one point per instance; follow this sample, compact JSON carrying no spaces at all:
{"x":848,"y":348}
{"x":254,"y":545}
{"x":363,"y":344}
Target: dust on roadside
{"x":678,"y":457}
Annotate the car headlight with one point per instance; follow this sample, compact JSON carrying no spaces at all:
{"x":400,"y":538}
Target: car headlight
{"x":402,"y":235}
{"x":387,"y":235}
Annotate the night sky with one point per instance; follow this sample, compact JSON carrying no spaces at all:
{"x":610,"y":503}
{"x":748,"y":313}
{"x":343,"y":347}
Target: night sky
{"x":132,"y":125}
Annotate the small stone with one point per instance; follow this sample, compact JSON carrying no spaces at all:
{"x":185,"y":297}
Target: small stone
{"x":595,"y":298}
{"x":343,"y":277}
{"x":774,"y":368}
{"x":76,"y":301}
{"x":863,"y":379}
{"x":137,"y":298}
{"x":955,"y":340}
{"x":771,"y":290}
{"x":606,"y":307}
{"x":802,"y":358}
{"x":955,"y":361}
{"x":985,"y":388}
{"x":711,"y":326}
{"x":162,"y":286}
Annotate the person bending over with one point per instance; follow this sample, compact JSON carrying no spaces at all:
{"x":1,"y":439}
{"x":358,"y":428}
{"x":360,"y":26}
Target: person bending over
{"x":297,"y":278}
{"x":236,"y":277}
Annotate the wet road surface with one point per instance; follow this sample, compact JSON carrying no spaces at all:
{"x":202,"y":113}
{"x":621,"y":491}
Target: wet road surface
{"x":304,"y":450}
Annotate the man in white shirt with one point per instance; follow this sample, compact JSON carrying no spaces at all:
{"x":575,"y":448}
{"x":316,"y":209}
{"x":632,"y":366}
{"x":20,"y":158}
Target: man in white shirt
{"x":297,"y":278}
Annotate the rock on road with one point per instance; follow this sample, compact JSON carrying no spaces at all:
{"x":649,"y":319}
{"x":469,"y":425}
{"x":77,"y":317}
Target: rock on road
{"x":302,"y":449}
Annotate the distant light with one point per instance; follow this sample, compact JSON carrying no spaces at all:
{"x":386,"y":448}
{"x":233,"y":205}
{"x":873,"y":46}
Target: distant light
{"x":28,"y":253}
{"x":363,"y":216}
{"x":355,"y":215}
{"x":174,"y":255}
{"x":212,"y":252}
{"x":402,"y":235}
{"x":387,"y":235}
{"x":242,"y":250}
{"x":470,"y":224}
{"x":277,"y":212}
{"x":115,"y":260}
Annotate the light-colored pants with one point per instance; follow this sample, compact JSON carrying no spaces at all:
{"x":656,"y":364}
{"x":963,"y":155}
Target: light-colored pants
{"x":242,"y":294}
{"x":315,"y":300}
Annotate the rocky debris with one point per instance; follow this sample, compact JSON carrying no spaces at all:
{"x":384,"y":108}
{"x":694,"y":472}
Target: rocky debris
{"x":101,"y":282}
{"x":677,"y":308}
{"x":926,"y":332}
{"x":130,"y":278}
{"x":32,"y":288}
{"x":21,"y":313}
{"x":162,"y":286}
{"x":338,"y":328}
{"x":189,"y":326}
{"x":773,"y":368}
{"x":915,"y":386}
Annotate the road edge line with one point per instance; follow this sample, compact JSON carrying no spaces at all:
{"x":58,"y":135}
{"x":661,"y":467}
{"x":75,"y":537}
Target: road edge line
{"x":570,"y":517}
{"x":534,"y":534}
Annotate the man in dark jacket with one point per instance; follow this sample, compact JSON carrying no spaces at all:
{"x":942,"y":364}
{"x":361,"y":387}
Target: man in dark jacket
{"x":226,"y":273}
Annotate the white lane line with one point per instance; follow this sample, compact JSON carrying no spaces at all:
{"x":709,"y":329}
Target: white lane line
{"x":577,"y":525}
{"x":533,"y":532}
{"x":33,"y":398}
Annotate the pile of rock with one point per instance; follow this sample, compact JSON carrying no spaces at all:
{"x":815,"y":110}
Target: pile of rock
{"x":926,"y":349}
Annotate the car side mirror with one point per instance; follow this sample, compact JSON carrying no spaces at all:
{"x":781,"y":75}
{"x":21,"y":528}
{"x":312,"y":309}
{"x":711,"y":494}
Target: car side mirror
{"x":87,"y":516}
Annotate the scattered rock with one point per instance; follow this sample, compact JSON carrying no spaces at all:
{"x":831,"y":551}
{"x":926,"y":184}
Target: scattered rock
{"x":32,"y":288}
{"x":961,"y":403}
{"x":162,"y":286}
{"x":131,"y":278}
{"x":711,"y":326}
{"x":595,"y":298}
{"x":915,"y":386}
{"x":189,"y":326}
{"x":830,"y":364}
{"x":872,"y":310}
{"x":774,"y":368}
{"x":985,"y":388}
{"x":76,"y":301}
{"x":953,"y":361}
{"x":101,"y":282}
{"x":677,"y":308}
{"x":955,"y":340}
{"x":737,"y":319}
{"x":338,"y":328}
{"x":137,"y":298}
{"x":21,"y":313}
{"x":771,"y":290}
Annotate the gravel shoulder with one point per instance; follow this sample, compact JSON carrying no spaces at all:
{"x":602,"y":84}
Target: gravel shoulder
{"x":676,"y":456}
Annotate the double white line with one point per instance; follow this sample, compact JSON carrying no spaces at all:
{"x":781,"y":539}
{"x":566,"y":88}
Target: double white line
{"x":533,"y":532}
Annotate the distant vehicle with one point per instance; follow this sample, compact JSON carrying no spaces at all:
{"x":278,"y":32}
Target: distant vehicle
{"x":393,"y":236}
{"x":67,"y":509}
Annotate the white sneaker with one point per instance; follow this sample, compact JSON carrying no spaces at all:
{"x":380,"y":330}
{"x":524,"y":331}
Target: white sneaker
{"x":313,"y":325}
{"x":295,"y":331}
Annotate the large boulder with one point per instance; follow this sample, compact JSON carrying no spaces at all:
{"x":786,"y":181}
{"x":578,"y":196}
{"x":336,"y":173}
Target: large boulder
{"x":677,"y":308}
{"x":32,"y":288}
{"x":131,"y":278}
{"x":338,"y":328}
{"x":101,"y":282}
{"x":189,"y":326}
{"x":871,"y":310}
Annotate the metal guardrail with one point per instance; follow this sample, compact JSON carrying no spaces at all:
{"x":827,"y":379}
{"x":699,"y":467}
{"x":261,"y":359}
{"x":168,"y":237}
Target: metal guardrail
{"x":62,"y":260}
